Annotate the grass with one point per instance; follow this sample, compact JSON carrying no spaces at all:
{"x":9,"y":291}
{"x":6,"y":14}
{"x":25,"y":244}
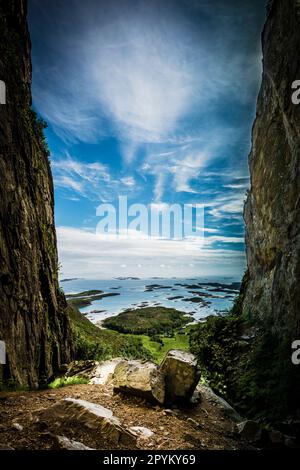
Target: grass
{"x":96,"y":343}
{"x":92,"y":342}
{"x":67,"y":381}
{"x":158,"y":351}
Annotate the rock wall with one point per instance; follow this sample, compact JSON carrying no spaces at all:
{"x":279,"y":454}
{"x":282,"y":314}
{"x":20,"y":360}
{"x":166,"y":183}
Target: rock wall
{"x":272,"y":210}
{"x":33,"y":319}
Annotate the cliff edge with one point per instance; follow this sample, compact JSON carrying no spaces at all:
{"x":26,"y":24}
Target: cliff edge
{"x":272,"y":210}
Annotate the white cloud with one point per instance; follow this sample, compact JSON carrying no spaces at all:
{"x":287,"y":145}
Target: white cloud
{"x":85,"y":254}
{"x":145,"y":67}
{"x":90,"y":180}
{"x":243,"y":186}
{"x":227,"y":207}
{"x":128,"y":181}
{"x":223,"y":239}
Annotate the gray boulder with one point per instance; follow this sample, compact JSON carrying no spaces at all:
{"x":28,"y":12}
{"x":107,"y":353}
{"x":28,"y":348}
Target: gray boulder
{"x":207,"y":393}
{"x":182,"y":374}
{"x":139,"y":379}
{"x":94,"y":417}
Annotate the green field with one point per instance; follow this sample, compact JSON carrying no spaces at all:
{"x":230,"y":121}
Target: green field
{"x":167,"y":329}
{"x":158,"y":351}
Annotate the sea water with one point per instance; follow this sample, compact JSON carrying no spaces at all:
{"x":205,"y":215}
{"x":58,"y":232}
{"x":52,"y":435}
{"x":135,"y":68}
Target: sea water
{"x":134,"y":293}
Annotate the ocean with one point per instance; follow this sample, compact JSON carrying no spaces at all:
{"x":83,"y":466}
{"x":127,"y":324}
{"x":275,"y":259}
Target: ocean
{"x":199,"y":297}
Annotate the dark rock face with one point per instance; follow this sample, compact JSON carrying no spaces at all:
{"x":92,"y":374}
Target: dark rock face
{"x":272,"y":210}
{"x":33,"y":319}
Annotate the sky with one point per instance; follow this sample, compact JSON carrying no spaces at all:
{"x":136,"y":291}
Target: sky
{"x":153,"y":100}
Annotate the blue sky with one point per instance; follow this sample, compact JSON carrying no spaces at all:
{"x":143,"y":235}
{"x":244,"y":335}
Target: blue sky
{"x":153,"y":100}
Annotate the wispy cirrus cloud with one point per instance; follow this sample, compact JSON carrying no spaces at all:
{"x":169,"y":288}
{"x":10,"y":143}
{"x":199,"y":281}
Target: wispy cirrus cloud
{"x":141,"y":67}
{"x":156,"y":100}
{"x":89,"y":180}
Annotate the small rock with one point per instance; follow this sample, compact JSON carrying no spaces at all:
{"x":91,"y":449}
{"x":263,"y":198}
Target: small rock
{"x":250,"y":431}
{"x":169,"y":412}
{"x":68,"y":444}
{"x":141,"y":432}
{"x":18,"y":427}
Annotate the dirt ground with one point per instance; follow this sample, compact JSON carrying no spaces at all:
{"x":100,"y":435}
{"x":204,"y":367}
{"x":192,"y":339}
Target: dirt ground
{"x":201,"y":427}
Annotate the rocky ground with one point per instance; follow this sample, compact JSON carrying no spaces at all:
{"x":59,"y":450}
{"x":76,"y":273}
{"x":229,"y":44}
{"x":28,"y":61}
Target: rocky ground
{"x":27,"y":422}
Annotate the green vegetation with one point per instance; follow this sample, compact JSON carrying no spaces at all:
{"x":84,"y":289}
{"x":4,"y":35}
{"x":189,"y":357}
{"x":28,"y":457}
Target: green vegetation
{"x":66,"y":381}
{"x":216,"y":343}
{"x":92,"y":342}
{"x":151,"y":321}
{"x":159,"y":346}
{"x":241,"y":358}
{"x":221,"y":350}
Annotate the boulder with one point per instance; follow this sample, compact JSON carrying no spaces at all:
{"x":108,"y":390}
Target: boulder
{"x":209,"y":395}
{"x":92,"y":416}
{"x":140,"y":379}
{"x":182,"y":375}
{"x":103,"y":373}
{"x":250,"y":431}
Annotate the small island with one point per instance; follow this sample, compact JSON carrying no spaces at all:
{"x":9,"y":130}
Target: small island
{"x":149,"y":320}
{"x":84,"y":299}
{"x":158,"y":328}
